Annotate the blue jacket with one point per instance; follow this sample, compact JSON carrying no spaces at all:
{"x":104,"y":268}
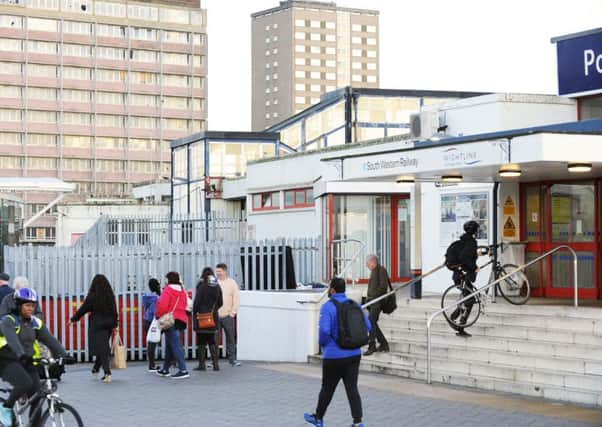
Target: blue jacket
{"x":149,"y":302}
{"x":329,"y":331}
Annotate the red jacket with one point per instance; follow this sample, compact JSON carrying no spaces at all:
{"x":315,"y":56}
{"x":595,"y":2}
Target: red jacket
{"x":173,"y":297}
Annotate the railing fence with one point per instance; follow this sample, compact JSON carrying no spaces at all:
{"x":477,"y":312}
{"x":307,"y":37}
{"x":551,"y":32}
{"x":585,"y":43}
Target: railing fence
{"x":62,"y":275}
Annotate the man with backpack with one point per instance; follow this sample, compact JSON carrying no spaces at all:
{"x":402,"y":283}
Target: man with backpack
{"x":461,"y":257}
{"x":344,"y":329}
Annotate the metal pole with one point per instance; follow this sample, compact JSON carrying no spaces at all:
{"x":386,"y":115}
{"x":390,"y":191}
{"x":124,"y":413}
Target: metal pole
{"x":403,"y":285}
{"x":575,"y":277}
{"x":495,"y":221}
{"x":428,"y":352}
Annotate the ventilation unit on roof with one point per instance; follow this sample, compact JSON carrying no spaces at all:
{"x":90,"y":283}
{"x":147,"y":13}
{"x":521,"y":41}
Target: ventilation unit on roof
{"x":424,"y":125}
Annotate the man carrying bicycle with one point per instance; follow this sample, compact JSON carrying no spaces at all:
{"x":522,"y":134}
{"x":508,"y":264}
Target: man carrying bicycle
{"x":20,"y":336}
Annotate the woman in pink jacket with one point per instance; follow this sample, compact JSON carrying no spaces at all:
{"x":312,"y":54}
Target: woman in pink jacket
{"x":173,"y":299}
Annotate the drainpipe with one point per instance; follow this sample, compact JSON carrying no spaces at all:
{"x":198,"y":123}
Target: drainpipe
{"x":348,"y":116}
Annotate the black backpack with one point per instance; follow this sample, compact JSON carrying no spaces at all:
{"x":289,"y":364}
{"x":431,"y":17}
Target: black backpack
{"x":353,"y":332}
{"x":452,"y":254}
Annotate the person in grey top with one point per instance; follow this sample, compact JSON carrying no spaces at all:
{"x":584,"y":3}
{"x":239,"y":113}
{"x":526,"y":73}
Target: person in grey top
{"x":8,"y":304}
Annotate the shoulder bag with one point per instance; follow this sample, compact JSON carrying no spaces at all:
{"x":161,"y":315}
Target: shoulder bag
{"x":206,"y":320}
{"x":389,"y":304}
{"x":168,"y":321}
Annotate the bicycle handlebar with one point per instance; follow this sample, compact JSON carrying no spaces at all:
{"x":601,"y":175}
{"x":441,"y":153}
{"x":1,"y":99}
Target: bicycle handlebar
{"x":61,"y":361}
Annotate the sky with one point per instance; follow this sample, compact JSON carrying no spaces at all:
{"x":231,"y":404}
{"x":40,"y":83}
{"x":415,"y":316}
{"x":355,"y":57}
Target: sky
{"x":470,"y":45}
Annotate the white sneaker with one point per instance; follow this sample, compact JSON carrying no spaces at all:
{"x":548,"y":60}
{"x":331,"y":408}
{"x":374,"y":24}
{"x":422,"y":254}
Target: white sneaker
{"x":6,"y":416}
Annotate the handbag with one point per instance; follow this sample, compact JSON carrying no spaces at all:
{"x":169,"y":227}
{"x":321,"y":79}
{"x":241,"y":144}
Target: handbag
{"x":154,"y":332}
{"x":167,"y":321}
{"x":389,"y":304}
{"x":206,"y":320}
{"x":189,"y":304}
{"x":119,"y":359}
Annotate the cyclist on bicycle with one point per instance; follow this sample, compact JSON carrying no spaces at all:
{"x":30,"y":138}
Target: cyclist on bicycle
{"x":465,"y":271}
{"x":20,"y":336}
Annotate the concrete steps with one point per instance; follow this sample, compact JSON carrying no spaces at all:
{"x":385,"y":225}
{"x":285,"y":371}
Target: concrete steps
{"x":553,"y":352}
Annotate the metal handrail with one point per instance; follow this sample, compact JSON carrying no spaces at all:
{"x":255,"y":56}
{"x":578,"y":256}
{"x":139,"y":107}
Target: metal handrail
{"x":402,"y":286}
{"x":357,"y":254}
{"x":489,"y":285}
{"x":341,"y":274}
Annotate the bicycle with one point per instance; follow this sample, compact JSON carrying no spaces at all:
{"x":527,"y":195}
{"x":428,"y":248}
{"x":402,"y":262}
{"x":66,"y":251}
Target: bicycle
{"x":515,"y":289}
{"x":57,"y":413}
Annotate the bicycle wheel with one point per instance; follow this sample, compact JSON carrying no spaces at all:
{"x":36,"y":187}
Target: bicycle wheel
{"x":64,"y":416}
{"x":516,"y":288}
{"x":462,"y":316}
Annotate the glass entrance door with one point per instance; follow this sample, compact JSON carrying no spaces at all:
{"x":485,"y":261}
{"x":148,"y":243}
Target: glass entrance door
{"x":562,"y":214}
{"x":382,"y":222}
{"x":402,"y":239}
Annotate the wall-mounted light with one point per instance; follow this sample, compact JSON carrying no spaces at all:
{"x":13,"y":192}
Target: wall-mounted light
{"x":579,"y":167}
{"x":452,"y":178}
{"x":510,"y":171}
{"x":405,"y":179}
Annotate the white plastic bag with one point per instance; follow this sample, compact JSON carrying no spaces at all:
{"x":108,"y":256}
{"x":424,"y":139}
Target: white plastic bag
{"x":154,"y":332}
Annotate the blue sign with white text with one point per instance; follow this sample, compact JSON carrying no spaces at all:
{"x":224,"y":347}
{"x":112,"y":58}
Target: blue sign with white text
{"x":580,"y":65}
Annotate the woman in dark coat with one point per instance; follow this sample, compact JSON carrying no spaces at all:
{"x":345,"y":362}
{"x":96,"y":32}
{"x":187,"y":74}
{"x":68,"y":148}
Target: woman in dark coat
{"x":100,"y":303}
{"x":208,"y":298}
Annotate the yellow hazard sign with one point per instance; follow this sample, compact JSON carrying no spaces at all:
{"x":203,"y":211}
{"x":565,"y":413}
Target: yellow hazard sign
{"x":509,"y":206}
{"x":509,"y":228}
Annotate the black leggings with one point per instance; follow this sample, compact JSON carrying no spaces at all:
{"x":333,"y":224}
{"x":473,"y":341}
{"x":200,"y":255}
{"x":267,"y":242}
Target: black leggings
{"x":206,"y":339}
{"x":334,"y":370}
{"x":25,"y":381}
{"x":151,"y":347}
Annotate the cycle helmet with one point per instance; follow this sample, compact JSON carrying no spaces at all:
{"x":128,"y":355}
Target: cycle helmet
{"x":471,"y":227}
{"x":25,"y":295}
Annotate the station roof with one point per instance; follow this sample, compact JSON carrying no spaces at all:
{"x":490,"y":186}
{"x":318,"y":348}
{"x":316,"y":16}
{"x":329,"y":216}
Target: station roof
{"x":226,"y":136}
{"x":19,"y":184}
{"x":584,"y":127}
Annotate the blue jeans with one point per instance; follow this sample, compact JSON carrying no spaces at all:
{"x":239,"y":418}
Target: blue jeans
{"x":173,"y":349}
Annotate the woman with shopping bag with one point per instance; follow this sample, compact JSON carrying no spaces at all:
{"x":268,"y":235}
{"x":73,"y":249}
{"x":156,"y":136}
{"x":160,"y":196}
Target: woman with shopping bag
{"x":151,"y":324}
{"x":173,"y":319}
{"x":100,"y":303}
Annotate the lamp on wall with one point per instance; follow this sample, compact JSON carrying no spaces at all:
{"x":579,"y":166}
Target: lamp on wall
{"x":405,"y":179}
{"x":452,"y":178}
{"x":510,"y":170}
{"x":579,"y":167}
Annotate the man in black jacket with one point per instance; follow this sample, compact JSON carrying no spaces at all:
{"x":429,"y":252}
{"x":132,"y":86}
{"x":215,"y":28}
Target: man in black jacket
{"x":467,"y":272}
{"x":378,"y":285}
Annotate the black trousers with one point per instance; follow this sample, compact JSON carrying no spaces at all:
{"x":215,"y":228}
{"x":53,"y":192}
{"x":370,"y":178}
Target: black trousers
{"x":151,"y":347}
{"x":465,"y":280}
{"x":206,"y":339}
{"x":102,"y":339}
{"x":333,"y":371}
{"x":25,"y":381}
{"x":376,"y":333}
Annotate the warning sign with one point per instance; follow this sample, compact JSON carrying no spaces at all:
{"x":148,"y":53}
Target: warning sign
{"x":509,"y":228}
{"x":509,"y":206}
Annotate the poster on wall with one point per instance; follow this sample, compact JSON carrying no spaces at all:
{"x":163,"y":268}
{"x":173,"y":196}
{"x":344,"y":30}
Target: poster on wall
{"x":456,"y":209}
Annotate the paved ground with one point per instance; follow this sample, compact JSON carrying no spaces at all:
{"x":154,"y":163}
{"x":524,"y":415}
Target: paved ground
{"x":277,"y":395}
